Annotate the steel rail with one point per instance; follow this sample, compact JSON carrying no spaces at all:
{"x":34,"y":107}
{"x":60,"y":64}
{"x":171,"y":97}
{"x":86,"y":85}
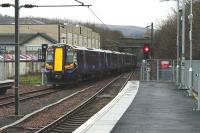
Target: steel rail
{"x":59,"y":121}
{"x":22,"y":94}
{"x":26,"y":97}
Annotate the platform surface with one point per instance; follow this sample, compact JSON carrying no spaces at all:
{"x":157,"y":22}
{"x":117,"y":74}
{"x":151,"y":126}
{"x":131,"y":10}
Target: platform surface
{"x":6,"y":81}
{"x":160,"y":108}
{"x":106,"y":118}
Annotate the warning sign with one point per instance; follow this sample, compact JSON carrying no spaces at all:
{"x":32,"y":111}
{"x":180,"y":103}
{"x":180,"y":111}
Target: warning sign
{"x":164,"y":64}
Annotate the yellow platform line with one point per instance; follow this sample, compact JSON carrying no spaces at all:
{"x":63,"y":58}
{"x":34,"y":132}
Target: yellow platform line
{"x":195,"y":95}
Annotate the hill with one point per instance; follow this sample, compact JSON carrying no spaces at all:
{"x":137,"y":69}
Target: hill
{"x":127,"y":31}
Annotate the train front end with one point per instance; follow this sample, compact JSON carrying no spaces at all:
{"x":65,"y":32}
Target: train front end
{"x":59,"y":64}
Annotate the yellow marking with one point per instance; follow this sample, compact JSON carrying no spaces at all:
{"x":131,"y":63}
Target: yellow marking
{"x":58,"y":61}
{"x":195,"y":95}
{"x":70,"y":66}
{"x":49,"y":66}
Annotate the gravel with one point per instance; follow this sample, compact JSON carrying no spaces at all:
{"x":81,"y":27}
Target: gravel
{"x":26,"y":107}
{"x":49,"y":115}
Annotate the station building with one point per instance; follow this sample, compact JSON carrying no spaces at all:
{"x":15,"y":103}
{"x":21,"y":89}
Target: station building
{"x":33,"y":35}
{"x":29,"y":42}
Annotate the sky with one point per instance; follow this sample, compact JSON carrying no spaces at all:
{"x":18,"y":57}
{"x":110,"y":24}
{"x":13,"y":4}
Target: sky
{"x":113,"y":12}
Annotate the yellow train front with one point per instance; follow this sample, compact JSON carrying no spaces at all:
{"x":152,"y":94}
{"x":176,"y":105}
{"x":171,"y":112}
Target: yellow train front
{"x":60,"y":64}
{"x":68,"y":64}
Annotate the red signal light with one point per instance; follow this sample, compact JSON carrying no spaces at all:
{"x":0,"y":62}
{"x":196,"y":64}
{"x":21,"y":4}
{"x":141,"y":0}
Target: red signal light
{"x":146,"y":49}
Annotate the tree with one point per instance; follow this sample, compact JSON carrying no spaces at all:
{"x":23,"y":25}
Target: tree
{"x":107,"y":35}
{"x":165,"y":36}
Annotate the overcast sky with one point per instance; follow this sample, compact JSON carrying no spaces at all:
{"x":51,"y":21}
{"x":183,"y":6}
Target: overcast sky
{"x":115,"y":12}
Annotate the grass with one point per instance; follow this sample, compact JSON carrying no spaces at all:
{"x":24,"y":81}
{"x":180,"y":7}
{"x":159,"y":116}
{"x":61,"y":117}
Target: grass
{"x":31,"y":79}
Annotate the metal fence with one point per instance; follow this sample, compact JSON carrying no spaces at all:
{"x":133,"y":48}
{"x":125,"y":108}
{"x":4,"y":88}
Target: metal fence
{"x":158,"y":70}
{"x":28,"y":62}
{"x":195,"y":75}
{"x":2,"y":70}
{"x":2,"y":61}
{"x":7,"y":69}
{"x":167,"y":70}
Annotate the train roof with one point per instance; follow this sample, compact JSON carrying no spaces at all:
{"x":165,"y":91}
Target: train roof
{"x":92,"y":49}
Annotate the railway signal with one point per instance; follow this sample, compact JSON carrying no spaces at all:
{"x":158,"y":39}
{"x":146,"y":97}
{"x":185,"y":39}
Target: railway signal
{"x":146,"y":51}
{"x":44,"y":50}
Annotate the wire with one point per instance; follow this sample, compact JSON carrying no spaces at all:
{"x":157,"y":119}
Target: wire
{"x":79,"y":2}
{"x":104,"y":26}
{"x":97,"y":17}
{"x":32,"y":6}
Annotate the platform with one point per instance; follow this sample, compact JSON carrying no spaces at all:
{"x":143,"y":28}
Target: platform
{"x":4,"y":85}
{"x":157,"y":108}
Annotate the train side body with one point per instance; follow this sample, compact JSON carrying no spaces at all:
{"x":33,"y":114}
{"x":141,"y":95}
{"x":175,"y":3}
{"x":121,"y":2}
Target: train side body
{"x":68,"y":63}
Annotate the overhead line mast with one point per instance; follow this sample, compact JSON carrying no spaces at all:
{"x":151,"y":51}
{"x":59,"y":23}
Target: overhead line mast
{"x":17,"y":7}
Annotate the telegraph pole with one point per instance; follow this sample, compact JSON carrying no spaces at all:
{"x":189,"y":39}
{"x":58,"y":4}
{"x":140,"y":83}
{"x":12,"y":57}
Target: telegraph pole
{"x":17,"y":57}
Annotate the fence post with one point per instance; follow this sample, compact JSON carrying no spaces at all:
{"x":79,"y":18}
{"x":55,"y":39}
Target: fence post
{"x":43,"y":71}
{"x":190,"y":81}
{"x":158,"y":69}
{"x":198,"y":84}
{"x":2,"y":63}
{"x":173,"y":70}
{"x":141,"y":72}
{"x":177,"y":73}
{"x":148,"y":73}
{"x":42,"y":78}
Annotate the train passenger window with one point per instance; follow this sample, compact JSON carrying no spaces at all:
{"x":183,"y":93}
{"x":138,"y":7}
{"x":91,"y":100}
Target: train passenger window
{"x":69,"y":58}
{"x":50,"y":56}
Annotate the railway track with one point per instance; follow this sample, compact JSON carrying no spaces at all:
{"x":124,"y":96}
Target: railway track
{"x":72,"y":120}
{"x":9,"y":100}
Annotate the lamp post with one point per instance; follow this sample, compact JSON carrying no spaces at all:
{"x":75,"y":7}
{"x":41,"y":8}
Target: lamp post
{"x":182,"y":85}
{"x":177,"y":44}
{"x":178,"y":66}
{"x":190,"y":17}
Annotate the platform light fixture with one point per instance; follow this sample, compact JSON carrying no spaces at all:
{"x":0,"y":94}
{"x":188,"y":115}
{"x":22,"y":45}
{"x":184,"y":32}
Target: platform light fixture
{"x":179,"y":60}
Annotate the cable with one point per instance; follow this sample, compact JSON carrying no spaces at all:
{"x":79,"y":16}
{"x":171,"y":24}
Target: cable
{"x":97,"y":17}
{"x":79,"y":2}
{"x":104,"y":26}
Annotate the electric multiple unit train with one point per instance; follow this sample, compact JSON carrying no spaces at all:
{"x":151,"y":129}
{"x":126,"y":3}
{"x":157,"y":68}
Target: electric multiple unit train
{"x":66,"y":63}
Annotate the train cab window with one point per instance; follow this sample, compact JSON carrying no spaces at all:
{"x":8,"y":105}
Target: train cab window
{"x":50,"y":56}
{"x":69,"y":57}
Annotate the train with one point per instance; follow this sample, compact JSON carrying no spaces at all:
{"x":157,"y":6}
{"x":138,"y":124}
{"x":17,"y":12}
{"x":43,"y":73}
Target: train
{"x":66,"y":63}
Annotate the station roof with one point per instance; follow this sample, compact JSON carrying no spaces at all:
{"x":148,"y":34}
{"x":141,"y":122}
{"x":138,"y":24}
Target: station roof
{"x":9,"y":38}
